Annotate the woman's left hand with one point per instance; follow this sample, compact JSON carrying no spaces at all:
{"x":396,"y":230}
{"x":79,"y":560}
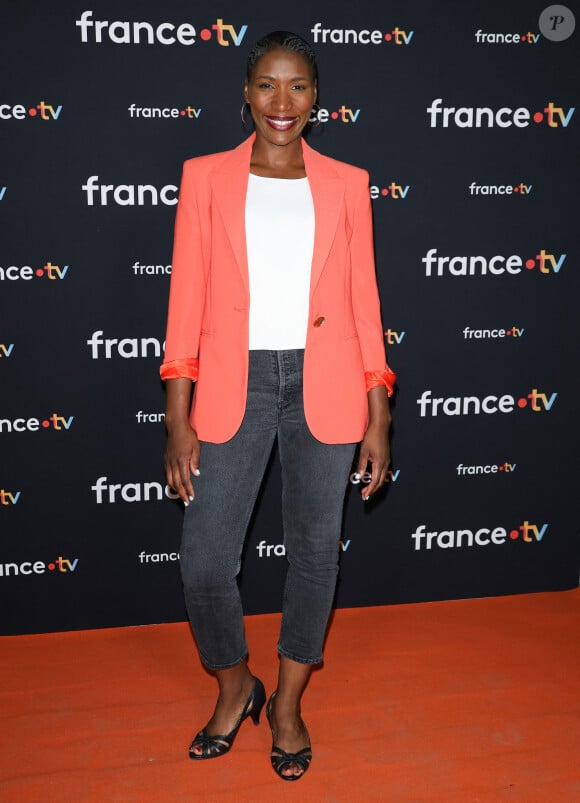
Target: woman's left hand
{"x":374,"y":448}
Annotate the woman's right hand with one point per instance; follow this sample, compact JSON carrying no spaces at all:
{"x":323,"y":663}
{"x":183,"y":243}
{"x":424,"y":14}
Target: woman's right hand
{"x":181,"y":460}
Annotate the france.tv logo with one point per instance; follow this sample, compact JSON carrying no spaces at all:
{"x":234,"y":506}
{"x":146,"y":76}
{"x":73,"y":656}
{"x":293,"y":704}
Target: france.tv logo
{"x":344,"y":114}
{"x":25,"y":272}
{"x":52,"y":422}
{"x":398,"y":192}
{"x":504,"y":117}
{"x":485,"y":536}
{"x":350,"y":36}
{"x":41,"y":111}
{"x":123,"y":32}
{"x":58,"y":566}
{"x":497,"y":265}
{"x":430,"y":406}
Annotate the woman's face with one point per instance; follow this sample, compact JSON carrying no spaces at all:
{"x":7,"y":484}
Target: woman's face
{"x":281,"y":93}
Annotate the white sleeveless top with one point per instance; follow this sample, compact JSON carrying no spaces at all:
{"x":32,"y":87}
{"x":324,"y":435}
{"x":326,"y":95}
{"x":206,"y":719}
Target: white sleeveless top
{"x":280,"y":241}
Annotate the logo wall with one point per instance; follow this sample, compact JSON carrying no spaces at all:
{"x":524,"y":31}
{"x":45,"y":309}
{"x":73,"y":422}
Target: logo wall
{"x":97,"y":35}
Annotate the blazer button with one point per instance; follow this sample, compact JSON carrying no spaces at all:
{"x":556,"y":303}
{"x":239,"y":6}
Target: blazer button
{"x":319,"y":321}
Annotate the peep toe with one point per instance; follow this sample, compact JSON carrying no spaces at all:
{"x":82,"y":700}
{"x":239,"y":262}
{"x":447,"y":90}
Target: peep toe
{"x":218,"y":744}
{"x":280,"y":759}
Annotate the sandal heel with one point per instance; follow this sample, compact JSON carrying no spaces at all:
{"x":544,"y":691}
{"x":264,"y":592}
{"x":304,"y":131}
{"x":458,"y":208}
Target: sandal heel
{"x":218,"y":745}
{"x":259,"y":701}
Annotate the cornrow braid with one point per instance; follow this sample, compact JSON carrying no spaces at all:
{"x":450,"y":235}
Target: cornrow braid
{"x":285,"y":40}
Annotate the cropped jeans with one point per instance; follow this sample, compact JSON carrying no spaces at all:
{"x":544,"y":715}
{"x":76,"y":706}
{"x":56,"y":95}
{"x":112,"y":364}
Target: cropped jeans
{"x":314,"y":481}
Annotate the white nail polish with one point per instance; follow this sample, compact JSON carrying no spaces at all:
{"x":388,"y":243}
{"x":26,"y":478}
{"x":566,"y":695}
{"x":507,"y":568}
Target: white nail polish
{"x":191,"y":498}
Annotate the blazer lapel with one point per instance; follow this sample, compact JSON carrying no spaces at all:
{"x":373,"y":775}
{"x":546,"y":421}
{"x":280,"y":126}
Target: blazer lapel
{"x":230,"y":185}
{"x":328,"y":196}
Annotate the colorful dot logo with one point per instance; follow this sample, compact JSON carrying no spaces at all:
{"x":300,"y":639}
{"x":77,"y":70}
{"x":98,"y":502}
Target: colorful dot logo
{"x":344,"y":114}
{"x":392,"y":190}
{"x":225,"y":33}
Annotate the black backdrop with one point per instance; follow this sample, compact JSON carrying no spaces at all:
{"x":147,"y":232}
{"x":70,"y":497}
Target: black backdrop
{"x":89,"y":537}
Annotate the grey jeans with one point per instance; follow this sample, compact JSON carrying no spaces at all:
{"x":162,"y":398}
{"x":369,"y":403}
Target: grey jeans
{"x":314,"y":481}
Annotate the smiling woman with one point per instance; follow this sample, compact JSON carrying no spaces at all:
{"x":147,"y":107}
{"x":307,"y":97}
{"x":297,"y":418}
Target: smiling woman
{"x":274,"y":315}
{"x":280,"y":89}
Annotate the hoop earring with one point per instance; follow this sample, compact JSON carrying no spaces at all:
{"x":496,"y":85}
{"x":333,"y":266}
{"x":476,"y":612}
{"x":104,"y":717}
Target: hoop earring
{"x":315,"y":110}
{"x":242,"y":110}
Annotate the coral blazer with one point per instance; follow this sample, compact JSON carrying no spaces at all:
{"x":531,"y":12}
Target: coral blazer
{"x":209,"y":301}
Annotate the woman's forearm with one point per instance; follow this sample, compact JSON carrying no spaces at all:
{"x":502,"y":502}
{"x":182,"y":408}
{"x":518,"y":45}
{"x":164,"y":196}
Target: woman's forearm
{"x":177,"y":402}
{"x":379,"y":408}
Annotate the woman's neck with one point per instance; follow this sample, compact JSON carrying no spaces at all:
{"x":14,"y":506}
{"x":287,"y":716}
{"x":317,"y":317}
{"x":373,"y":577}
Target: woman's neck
{"x":272,"y":161}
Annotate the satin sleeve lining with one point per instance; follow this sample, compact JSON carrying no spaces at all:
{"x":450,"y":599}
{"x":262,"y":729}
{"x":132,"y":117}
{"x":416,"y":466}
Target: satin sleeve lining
{"x":387,"y":378}
{"x":180,"y":369}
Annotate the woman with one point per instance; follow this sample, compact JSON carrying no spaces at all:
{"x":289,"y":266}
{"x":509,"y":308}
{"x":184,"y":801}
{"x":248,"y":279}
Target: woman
{"x":274,"y":315}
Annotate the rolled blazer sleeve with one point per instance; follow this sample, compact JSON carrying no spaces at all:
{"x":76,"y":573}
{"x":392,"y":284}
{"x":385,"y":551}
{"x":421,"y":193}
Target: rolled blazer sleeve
{"x":365,"y":293}
{"x":188,"y":284}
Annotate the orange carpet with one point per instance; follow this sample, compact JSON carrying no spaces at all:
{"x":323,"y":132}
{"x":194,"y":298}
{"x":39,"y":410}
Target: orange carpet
{"x":470,"y":701}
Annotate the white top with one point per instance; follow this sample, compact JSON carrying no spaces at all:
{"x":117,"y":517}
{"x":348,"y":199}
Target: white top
{"x":280,"y":241}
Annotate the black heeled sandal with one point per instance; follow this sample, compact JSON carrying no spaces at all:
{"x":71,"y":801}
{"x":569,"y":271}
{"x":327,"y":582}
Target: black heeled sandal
{"x":281,"y":759}
{"x":218,"y":744}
